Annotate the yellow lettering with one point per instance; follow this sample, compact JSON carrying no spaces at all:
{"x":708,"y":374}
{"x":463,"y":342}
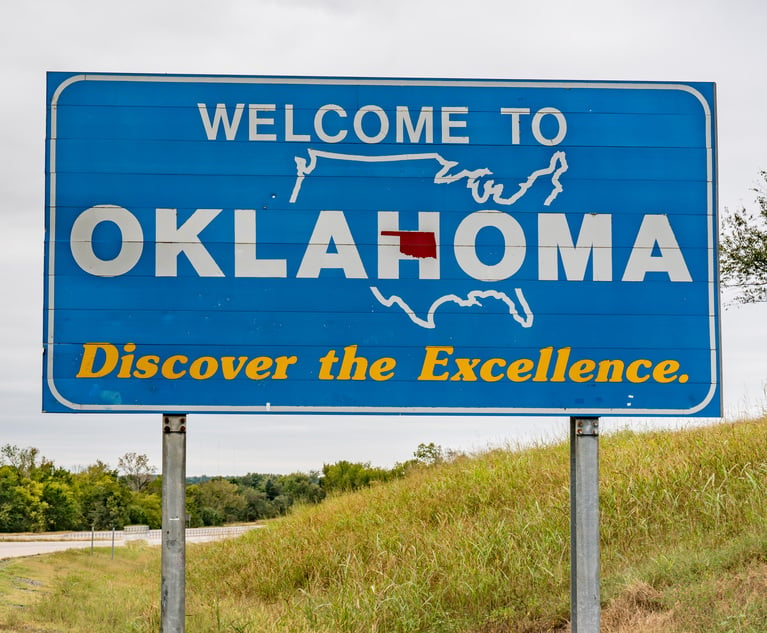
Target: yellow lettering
{"x":196,"y":370}
{"x":353,"y":363}
{"x":665,"y":371}
{"x":102,"y":359}
{"x":605,"y":367}
{"x":519,"y":370}
{"x":126,"y":361}
{"x":282,"y":363}
{"x":90,"y":350}
{"x":582,"y":370}
{"x":465,"y":369}
{"x":382,"y":369}
{"x":146,"y":366}
{"x":169,"y":367}
{"x":563,"y":356}
{"x":258,"y":368}
{"x":632,"y":371}
{"x":486,"y":370}
{"x":544,"y":359}
{"x":326,"y":365}
{"x":228,"y":367}
{"x":431,"y":360}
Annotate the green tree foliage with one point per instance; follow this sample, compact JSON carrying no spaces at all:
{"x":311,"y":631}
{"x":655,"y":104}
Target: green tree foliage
{"x":257,"y":505}
{"x":743,"y":250}
{"x":62,"y":507}
{"x":136,"y":470}
{"x":24,"y":460}
{"x":345,"y":476}
{"x":251,"y":497}
{"x":35,"y":495}
{"x":430,"y":454}
{"x":145,"y":509}
{"x":303,"y":488}
{"x":21,"y":509}
{"x":425,"y":456}
{"x":104,"y":498}
{"x":214,"y":502}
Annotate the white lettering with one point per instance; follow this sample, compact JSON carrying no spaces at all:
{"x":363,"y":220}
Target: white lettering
{"x":331,"y":227}
{"x":448,"y":124}
{"x":131,"y":241}
{"x":656,"y":231}
{"x":516,"y":134}
{"x":383,"y":124}
{"x":466,"y":249}
{"x":515,"y":128}
{"x":221,"y":117}
{"x":561,"y":123}
{"x":424,"y":125}
{"x":318,"y":124}
{"x":289,"y":134}
{"x":332,"y":246}
{"x":594,"y":240}
{"x":246,"y":262}
{"x":255,"y":120}
{"x":172,"y":240}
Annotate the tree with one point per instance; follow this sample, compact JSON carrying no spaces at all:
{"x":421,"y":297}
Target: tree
{"x":104,"y":498}
{"x":21,"y":508}
{"x":214,"y":502}
{"x":145,"y":509}
{"x":429,"y":454}
{"x":344,"y":476}
{"x":137,"y":470}
{"x":302,"y":487}
{"x":257,"y":505}
{"x":24,"y":460}
{"x":61,"y":508}
{"x":743,"y":250}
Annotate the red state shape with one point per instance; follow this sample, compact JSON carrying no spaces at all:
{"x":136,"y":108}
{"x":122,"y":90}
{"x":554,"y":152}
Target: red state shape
{"x":420,"y":244}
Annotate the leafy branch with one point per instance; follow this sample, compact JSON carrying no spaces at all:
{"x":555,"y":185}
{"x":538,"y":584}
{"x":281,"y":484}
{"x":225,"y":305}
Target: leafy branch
{"x":743,"y":250}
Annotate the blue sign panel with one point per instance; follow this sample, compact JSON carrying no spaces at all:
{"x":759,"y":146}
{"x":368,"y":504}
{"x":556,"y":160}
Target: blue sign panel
{"x":253,"y":244}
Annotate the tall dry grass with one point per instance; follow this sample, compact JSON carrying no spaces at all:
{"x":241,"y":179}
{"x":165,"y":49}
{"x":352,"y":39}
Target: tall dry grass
{"x":478,"y":545}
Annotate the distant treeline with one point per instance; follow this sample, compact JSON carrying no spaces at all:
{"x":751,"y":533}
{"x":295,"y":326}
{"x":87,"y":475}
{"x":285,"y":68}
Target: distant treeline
{"x":38,"y":496}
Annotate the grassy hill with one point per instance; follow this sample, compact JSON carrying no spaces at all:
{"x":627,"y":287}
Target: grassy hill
{"x":478,"y":545}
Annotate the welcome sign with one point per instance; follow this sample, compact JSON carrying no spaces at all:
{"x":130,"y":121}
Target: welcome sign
{"x":253,"y":244}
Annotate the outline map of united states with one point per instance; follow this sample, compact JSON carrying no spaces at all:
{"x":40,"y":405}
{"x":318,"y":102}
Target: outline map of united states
{"x":421,"y":244}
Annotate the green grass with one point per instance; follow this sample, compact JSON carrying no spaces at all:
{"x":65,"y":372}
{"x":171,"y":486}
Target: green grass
{"x":479,"y":545}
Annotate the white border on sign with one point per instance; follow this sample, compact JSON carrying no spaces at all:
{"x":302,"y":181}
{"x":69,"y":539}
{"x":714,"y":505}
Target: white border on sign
{"x":267,"y":408}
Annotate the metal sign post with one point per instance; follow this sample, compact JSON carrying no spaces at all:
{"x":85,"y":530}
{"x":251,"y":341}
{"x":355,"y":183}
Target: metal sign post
{"x":584,"y":525}
{"x":173,"y":523}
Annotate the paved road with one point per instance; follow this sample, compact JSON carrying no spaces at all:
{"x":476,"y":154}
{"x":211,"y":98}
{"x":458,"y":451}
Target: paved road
{"x":32,"y":548}
{"x":17,"y":549}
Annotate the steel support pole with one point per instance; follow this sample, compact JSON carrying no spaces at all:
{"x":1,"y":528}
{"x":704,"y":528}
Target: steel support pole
{"x":585,"y":608}
{"x":172,"y":602}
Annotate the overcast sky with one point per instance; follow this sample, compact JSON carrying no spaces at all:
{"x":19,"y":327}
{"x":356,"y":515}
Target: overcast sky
{"x":652,"y":40}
